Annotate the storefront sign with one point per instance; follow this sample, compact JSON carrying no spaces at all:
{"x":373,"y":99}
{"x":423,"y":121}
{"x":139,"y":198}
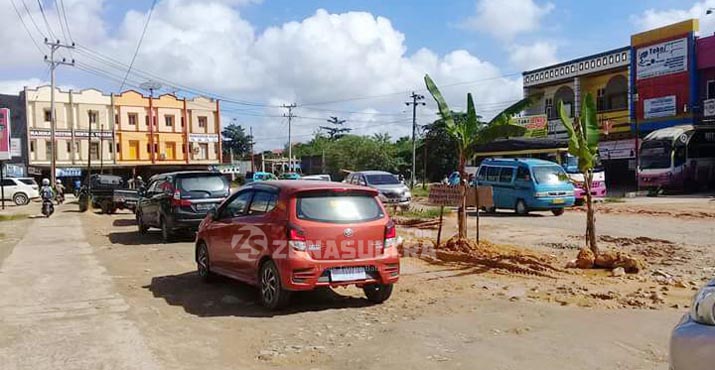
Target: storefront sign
{"x":617,"y":149}
{"x":68,"y":172}
{"x":659,"y":107}
{"x":64,"y":134}
{"x":34,"y":171}
{"x":15,"y":147}
{"x":4,"y":134}
{"x":662,"y":59}
{"x":203,"y":138}
{"x":95,"y":134}
{"x":709,"y":107}
{"x":536,"y":126}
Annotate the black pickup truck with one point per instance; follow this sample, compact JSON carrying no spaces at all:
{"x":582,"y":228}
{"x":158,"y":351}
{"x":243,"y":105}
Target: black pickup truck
{"x":108,"y":193}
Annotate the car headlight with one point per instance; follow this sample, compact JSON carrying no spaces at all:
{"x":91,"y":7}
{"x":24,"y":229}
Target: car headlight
{"x":541,"y":194}
{"x":703,"y":308}
{"x":407,"y":194}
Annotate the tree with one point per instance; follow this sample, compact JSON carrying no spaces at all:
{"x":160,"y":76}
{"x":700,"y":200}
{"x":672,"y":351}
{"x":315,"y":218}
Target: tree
{"x":235,"y":140}
{"x":337,"y":130}
{"x":468,"y":132}
{"x":583,"y":143}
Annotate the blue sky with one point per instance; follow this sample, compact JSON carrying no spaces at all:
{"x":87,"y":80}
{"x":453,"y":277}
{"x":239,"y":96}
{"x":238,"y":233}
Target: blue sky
{"x":279,"y":51}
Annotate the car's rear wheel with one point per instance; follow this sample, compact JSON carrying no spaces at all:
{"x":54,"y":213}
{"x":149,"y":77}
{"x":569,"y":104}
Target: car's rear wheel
{"x":203,"y":266}
{"x":20,"y":199}
{"x":377,"y":293}
{"x":520,"y":207}
{"x":166,"y":234}
{"x":143,"y":228}
{"x":272,"y":294}
{"x":558,"y":211}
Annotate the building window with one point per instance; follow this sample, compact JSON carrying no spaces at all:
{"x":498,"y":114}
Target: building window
{"x":541,"y":76}
{"x":119,"y":148}
{"x":93,"y":116}
{"x":156,"y":148}
{"x":548,"y":106}
{"x":182,"y":122}
{"x":624,"y":56}
{"x":605,"y":61}
{"x":618,"y":58}
{"x":76,"y":147}
{"x":593,"y":64}
{"x":148,"y":148}
{"x":48,"y":115}
{"x":610,"y":59}
{"x":169,"y":121}
{"x":580,"y":66}
{"x":94,"y":151}
{"x":600,"y":100}
{"x":146,"y":121}
{"x":32,"y":146}
{"x":133,"y":118}
{"x":573,"y":69}
{"x":202,"y":121}
{"x":710,"y":87}
{"x":561,"y":72}
{"x":203,"y":151}
{"x":116,"y":119}
{"x":598,"y":63}
{"x":110,"y":148}
{"x":68,"y":146}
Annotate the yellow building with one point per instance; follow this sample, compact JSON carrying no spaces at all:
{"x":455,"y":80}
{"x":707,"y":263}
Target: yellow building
{"x":181,"y":131}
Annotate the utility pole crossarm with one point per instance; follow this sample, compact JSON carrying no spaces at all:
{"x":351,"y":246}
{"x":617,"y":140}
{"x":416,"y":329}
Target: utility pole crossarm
{"x":54,"y":46}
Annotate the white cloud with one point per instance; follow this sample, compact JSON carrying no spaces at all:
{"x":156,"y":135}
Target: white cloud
{"x":324,"y":57}
{"x":654,"y":18}
{"x":15,"y":86}
{"x":504,"y":19}
{"x":538,"y":54}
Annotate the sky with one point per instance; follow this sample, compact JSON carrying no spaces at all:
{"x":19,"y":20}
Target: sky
{"x":355,"y":59}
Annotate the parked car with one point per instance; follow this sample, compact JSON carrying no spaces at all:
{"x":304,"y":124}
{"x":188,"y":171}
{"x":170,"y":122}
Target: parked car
{"x":527,"y":185}
{"x":286,"y":236}
{"x":20,"y":190}
{"x":108,"y":193}
{"x":392,"y":191}
{"x":179,"y":201}
{"x":290,"y":176}
{"x":322,"y":177}
{"x":693,"y":339}
{"x":260,"y":176}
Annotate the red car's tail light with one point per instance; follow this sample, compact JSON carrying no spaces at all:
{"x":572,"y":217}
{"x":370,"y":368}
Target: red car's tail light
{"x":390,"y":235}
{"x":296,"y":238}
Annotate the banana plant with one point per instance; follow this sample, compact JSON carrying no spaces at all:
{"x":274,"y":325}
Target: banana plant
{"x":470,"y":132}
{"x":583,"y":136}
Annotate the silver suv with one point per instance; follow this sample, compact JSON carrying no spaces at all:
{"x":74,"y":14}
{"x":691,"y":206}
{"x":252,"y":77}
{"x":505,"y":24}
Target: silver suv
{"x":392,"y":191}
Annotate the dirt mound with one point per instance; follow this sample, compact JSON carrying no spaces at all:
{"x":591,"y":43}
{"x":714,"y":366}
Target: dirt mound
{"x":497,"y":258}
{"x":654,"y":251}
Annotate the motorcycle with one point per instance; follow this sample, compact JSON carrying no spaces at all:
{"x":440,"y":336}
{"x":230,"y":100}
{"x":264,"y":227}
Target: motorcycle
{"x":47,"y":207}
{"x":60,"y":198}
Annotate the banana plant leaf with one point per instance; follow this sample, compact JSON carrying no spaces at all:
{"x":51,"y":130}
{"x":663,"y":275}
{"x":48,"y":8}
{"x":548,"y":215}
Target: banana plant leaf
{"x":516,"y":108}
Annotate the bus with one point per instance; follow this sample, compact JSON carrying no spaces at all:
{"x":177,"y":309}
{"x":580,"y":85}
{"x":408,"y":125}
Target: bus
{"x":678,"y":158}
{"x":555,"y":150}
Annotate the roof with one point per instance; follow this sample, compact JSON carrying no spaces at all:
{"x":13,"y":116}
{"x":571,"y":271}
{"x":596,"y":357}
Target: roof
{"x":669,"y":132}
{"x":309,"y":185}
{"x":166,"y":174}
{"x":527,"y":161}
{"x":523,"y":144}
{"x":374,"y":172}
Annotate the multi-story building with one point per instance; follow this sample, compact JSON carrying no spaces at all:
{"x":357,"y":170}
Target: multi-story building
{"x":77,"y":115}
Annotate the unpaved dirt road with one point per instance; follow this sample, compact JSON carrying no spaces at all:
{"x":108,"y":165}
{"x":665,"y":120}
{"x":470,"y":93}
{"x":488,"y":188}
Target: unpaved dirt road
{"x":86,"y":291}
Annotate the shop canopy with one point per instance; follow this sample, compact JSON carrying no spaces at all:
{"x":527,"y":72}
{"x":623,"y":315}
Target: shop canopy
{"x":522,"y":146}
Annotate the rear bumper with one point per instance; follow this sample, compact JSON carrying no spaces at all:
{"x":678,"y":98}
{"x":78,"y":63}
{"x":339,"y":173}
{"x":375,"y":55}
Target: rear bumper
{"x":691,"y":346}
{"x":596,"y":192}
{"x":301,"y":272}
{"x":186,"y":223}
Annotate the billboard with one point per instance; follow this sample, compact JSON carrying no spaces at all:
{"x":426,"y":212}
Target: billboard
{"x":4,"y":134}
{"x":659,"y":107}
{"x":536,"y":125}
{"x":662,"y":59}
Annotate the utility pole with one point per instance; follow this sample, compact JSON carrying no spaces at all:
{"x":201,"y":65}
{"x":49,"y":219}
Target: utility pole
{"x":250,"y":130}
{"x":290,"y":143}
{"x":54,"y":46}
{"x":337,"y":129}
{"x":414,"y":103}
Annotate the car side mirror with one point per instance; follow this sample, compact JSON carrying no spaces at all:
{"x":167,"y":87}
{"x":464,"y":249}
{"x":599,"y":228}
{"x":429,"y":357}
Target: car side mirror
{"x":213,"y":214}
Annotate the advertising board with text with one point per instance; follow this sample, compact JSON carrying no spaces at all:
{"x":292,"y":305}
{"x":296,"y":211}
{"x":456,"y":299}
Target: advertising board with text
{"x":5,"y":152}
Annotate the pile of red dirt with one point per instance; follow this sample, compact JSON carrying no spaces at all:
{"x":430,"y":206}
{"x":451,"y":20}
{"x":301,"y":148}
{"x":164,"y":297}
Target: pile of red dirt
{"x":610,"y":260}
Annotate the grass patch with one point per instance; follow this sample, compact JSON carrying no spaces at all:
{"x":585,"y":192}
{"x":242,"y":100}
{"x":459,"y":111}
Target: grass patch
{"x":419,"y":191}
{"x":614,"y":200}
{"x":421,"y":213}
{"x":12,"y":217}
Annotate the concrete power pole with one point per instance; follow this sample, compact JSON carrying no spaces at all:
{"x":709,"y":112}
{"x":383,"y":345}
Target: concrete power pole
{"x":54,"y":46}
{"x":414,"y":103}
{"x":290,"y":143}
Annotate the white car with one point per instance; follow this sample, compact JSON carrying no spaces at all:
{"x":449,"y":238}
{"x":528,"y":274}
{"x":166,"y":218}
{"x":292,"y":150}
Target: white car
{"x":20,"y":190}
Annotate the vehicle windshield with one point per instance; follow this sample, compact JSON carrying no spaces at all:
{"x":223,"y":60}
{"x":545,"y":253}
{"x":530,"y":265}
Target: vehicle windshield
{"x":203,"y":186}
{"x":338,"y":208}
{"x":570,"y":164}
{"x":28,"y":181}
{"x":382,"y":179}
{"x":655,"y":154}
{"x":549,"y":175}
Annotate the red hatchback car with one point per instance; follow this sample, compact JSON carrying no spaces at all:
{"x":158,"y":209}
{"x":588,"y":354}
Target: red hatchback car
{"x":285,"y":236}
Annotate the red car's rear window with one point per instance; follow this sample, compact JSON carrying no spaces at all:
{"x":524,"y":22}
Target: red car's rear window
{"x":338,"y":207}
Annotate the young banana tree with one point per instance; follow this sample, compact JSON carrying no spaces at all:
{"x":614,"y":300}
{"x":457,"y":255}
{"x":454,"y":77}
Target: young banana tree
{"x":470,"y":132}
{"x":583,"y":143}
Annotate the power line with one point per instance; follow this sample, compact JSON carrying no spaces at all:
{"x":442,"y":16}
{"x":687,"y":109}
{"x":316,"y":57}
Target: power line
{"x":32,"y":19}
{"x":47,"y":23}
{"x":59,"y":20}
{"x":64,"y":15}
{"x":139,"y":44}
{"x":27,"y":29}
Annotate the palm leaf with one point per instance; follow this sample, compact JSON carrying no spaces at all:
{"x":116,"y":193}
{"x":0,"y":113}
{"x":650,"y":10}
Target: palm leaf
{"x":497,"y":131}
{"x":589,"y":123}
{"x":441,"y":103}
{"x":574,"y":143}
{"x":516,"y":108}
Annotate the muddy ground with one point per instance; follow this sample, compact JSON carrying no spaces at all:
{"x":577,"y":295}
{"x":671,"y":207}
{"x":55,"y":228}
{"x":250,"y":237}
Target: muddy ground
{"x":441,"y":315}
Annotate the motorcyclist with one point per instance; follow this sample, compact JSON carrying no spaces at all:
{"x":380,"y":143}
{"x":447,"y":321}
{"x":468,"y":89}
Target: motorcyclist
{"x":60,"y":189}
{"x":139,"y":183}
{"x":46,"y":192}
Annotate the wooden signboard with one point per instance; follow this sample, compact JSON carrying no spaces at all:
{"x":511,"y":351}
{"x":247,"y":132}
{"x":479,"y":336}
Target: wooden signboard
{"x":451,"y":195}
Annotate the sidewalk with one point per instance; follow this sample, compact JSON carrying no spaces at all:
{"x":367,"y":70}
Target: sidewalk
{"x":58,"y":308}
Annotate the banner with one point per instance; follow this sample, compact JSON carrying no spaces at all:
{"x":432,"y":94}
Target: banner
{"x":536,"y":126}
{"x":662,"y":59}
{"x":203,"y":138}
{"x":15,"y":147}
{"x":709,"y":107}
{"x":659,"y":107}
{"x":4,"y":134}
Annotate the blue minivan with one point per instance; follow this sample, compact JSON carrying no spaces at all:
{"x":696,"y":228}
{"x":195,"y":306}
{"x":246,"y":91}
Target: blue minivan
{"x":527,"y":185}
